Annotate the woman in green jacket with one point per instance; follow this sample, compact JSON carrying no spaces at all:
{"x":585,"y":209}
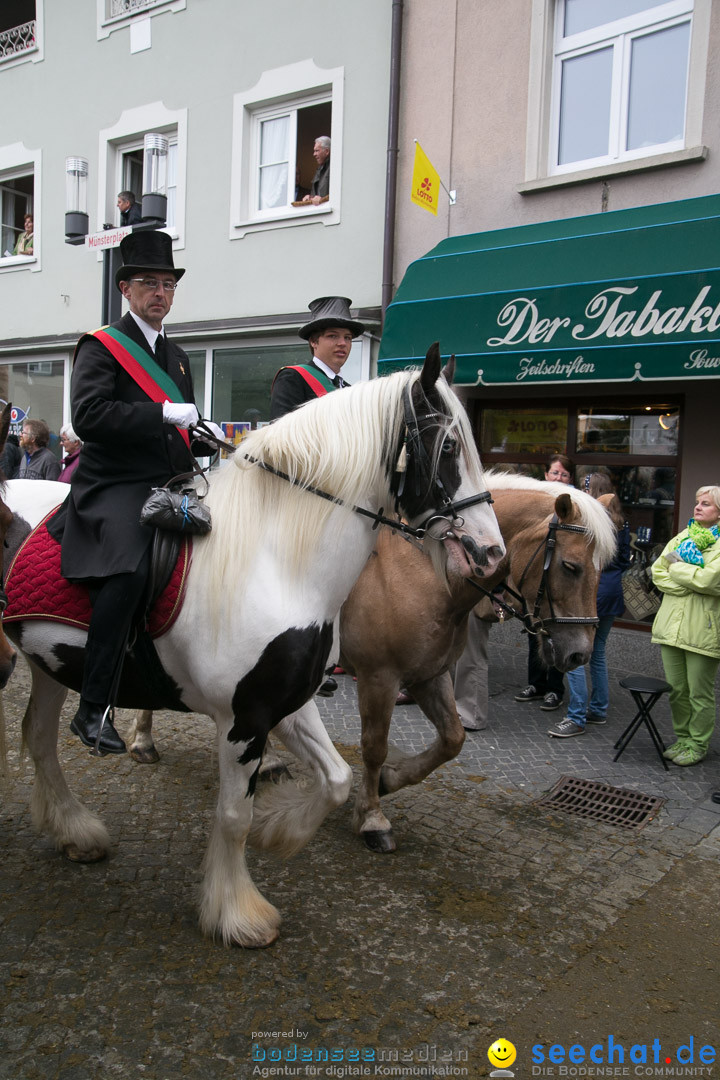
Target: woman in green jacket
{"x":687,"y":626}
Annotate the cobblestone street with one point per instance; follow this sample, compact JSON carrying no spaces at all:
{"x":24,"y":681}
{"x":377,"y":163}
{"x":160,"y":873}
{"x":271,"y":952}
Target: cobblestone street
{"x":474,"y":929}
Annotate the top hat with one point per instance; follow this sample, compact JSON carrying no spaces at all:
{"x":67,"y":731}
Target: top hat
{"x":147,"y":249}
{"x":330,"y":311}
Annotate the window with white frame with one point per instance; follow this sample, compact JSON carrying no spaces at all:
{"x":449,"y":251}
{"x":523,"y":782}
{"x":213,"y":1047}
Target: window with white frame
{"x":17,"y":189}
{"x":275,"y":126}
{"x":121,"y":162}
{"x":620,"y":79}
{"x":284,"y":138}
{"x":116,"y":14}
{"x":131,"y":159}
{"x":614,"y":86}
{"x":18,"y":28}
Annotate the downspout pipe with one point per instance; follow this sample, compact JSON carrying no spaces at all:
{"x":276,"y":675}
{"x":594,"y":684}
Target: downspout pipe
{"x":393,"y":150}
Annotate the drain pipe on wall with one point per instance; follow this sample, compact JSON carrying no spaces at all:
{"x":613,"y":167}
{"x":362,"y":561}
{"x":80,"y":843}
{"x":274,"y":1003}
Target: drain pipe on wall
{"x":392,"y":155}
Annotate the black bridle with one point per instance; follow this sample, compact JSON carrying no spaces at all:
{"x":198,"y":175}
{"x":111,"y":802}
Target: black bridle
{"x":411,"y":450}
{"x":533,"y":622}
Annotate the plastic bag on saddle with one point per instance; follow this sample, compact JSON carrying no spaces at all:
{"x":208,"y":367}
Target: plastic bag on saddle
{"x":176,"y":511}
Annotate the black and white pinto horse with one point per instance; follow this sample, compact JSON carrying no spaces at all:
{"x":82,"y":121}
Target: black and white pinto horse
{"x":255,"y":632}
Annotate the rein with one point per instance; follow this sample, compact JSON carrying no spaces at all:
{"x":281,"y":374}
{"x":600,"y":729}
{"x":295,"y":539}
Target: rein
{"x":412,"y":447}
{"x":534,"y":623}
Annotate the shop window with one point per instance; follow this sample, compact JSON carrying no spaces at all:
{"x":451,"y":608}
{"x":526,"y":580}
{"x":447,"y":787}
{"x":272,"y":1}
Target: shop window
{"x":18,"y":29}
{"x":615,"y":86}
{"x":242,"y":380}
{"x":275,"y":126}
{"x":635,"y":445}
{"x":36,"y":389}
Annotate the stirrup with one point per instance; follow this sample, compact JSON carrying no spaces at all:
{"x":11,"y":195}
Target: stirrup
{"x":109,"y":712}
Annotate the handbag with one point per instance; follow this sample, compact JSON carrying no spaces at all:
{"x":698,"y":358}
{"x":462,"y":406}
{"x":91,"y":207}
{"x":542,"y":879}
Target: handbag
{"x":641,"y":597}
{"x":176,"y":511}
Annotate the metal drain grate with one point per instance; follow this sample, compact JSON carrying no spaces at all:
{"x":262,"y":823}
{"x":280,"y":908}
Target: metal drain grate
{"x":614,"y":806}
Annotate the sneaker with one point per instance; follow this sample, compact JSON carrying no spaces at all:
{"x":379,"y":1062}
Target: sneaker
{"x":672,"y":751}
{"x":566,"y":729}
{"x":690,"y":755}
{"x":528,"y":694}
{"x":552,"y":701}
{"x":593,"y":718}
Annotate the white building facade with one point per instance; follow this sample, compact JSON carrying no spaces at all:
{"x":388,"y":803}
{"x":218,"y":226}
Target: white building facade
{"x":241,"y":91}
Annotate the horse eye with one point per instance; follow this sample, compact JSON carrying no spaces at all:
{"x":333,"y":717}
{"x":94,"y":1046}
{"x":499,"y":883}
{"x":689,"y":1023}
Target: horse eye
{"x":449,"y":447}
{"x":571,"y":567}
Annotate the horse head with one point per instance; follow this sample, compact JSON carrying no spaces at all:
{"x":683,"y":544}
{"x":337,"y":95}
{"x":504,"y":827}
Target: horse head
{"x":439,"y":480}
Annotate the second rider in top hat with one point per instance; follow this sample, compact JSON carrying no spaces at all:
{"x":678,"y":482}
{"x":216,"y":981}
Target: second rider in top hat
{"x":330,"y":335}
{"x":131,"y":442}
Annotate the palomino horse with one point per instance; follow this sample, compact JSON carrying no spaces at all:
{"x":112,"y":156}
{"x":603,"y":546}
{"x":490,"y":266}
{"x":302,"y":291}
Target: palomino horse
{"x":400,"y":626}
{"x":253,"y":636}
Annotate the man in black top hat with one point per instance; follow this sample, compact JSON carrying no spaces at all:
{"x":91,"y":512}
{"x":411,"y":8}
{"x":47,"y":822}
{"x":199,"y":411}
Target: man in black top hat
{"x":330,"y":335}
{"x":133,"y":439}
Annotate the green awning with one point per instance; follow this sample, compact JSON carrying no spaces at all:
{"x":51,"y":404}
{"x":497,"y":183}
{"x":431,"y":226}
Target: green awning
{"x":630,"y":294}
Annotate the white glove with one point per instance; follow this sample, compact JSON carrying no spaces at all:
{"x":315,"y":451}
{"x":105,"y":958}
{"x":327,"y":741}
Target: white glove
{"x":216,"y":430}
{"x":180,"y":414}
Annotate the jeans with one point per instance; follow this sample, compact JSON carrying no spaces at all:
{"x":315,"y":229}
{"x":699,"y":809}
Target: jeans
{"x":600,"y":695}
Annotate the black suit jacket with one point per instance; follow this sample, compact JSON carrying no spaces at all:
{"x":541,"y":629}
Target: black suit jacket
{"x":127,"y":449}
{"x":290,"y":390}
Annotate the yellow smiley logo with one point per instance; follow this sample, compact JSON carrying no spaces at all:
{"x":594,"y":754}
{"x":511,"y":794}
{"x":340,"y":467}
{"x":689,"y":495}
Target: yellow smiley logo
{"x":502,"y":1054}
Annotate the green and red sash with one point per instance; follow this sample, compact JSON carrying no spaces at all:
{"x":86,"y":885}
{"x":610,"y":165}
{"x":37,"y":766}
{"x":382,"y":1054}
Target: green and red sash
{"x":317,"y":380}
{"x":141,"y":367}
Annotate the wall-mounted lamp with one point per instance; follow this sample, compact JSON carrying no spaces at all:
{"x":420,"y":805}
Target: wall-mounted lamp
{"x":154,"y":199}
{"x":76,"y":215}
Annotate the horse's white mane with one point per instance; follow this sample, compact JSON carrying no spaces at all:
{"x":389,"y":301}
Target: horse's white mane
{"x":341,"y":443}
{"x":593,"y":514}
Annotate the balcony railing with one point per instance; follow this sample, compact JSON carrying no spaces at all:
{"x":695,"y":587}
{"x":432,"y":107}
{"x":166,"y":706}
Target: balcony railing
{"x":19,"y":39}
{"x":116,"y":8}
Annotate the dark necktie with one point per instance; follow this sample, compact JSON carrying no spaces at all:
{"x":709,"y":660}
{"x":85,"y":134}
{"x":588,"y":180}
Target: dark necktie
{"x":160,"y":351}
{"x":337,"y":381}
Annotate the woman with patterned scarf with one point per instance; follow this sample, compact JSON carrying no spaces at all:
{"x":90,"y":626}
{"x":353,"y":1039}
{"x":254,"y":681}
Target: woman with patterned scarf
{"x":687,"y":626}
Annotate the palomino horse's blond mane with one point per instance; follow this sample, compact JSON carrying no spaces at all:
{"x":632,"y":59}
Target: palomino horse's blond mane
{"x":593,"y":516}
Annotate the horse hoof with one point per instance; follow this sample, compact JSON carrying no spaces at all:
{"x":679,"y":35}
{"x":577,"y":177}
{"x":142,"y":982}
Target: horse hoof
{"x":144,"y":757}
{"x":258,"y":944}
{"x":76,"y":854}
{"x":382,"y":842}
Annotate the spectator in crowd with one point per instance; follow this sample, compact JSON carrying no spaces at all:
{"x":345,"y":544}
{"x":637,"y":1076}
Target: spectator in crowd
{"x":72,"y":447}
{"x":320,"y":186}
{"x":39,"y":462}
{"x":130,"y":212}
{"x":24,"y":242}
{"x":610,"y":604}
{"x":546,"y":683}
{"x":687,"y":626}
{"x":10,"y":458}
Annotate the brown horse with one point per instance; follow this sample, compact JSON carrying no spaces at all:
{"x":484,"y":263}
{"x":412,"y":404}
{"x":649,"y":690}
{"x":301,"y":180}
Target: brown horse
{"x":398,"y":627}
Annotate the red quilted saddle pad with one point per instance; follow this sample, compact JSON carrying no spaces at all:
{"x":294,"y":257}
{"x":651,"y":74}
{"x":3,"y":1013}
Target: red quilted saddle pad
{"x":37,"y":590}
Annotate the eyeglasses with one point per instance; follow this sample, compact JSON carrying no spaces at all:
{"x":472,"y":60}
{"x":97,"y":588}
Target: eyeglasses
{"x":152,"y":283}
{"x":559,"y":474}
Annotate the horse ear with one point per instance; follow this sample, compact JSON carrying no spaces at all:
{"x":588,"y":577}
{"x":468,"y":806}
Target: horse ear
{"x":431,"y":368}
{"x":5,"y":425}
{"x":564,"y":507}
{"x":449,"y":370}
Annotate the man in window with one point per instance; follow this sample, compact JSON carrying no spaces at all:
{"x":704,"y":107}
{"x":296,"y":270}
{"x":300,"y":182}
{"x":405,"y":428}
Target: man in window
{"x":38,"y":461}
{"x":320,"y":187}
{"x":130,"y":212}
{"x":330,"y":336}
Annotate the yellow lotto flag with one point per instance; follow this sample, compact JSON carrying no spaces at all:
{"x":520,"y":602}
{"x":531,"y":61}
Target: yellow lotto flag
{"x":425,"y":181}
